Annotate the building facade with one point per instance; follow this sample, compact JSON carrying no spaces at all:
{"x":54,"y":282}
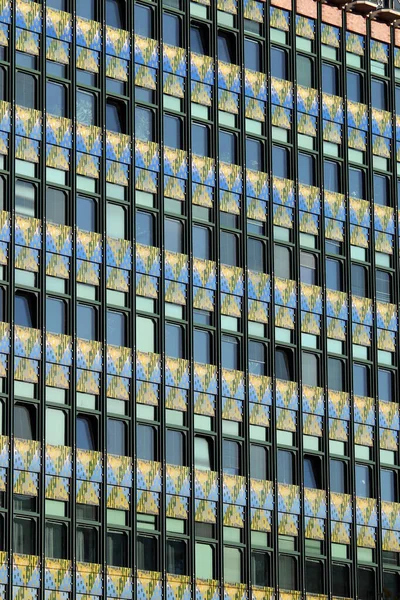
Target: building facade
{"x":199,"y":288}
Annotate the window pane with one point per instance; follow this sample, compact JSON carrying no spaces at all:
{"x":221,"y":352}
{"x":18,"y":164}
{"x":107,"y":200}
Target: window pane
{"x":25,"y":91}
{"x":115,"y":116}
{"x":115,"y":18}
{"x":252,"y":55}
{"x":331,"y":176}
{"x":85,"y":108}
{"x":260,"y":569}
{"x":143,"y":20}
{"x":56,"y":206}
{"x":202,"y":346}
{"x":199,"y":39}
{"x":117,"y":549}
{"x":340,"y":580}
{"x":55,"y":315}
{"x":172,"y":132}
{"x":25,"y":194}
{"x":356,"y":183}
{"x":116,"y":328}
{"x":24,"y":536}
{"x":175,"y":447}
{"x":304,"y":71}
{"x":176,"y":557}
{"x":147,"y":553}
{"x":116,"y":433}
{"x":309,"y":368}
{"x":144,"y":228}
{"x":335,"y":374}
{"x":381,"y":190}
{"x":254,"y":154}
{"x":226,"y":50}
{"x":278,"y":63}
{"x":285,"y":467}
{"x":284,"y":364}
{"x":86,"y":322}
{"x":201,"y":242}
{"x":308,"y":268}
{"x":86,"y":214}
{"x":204,"y":561}
{"x":329,"y":79}
{"x":312,"y":472}
{"x":174,"y":340}
{"x":115,"y":221}
{"x":256,"y":255}
{"x":232,"y":565}
{"x":55,"y":98}
{"x":25,"y":309}
{"x":228,"y":248}
{"x":86,"y":432}
{"x":306,"y":169}
{"x":86,"y":544}
{"x":144,"y":124}
{"x":171,"y":29}
{"x":145,"y":334}
{"x":85,"y":8}
{"x":354,"y":86}
{"x":314,"y":577}
{"x":361,"y":380}
{"x":145,"y":442}
{"x":383,"y":286}
{"x":334,"y":274}
{"x":280,"y":162}
{"x":282,"y":262}
{"x":359,"y":281}
{"x":200,"y":142}
{"x":258,"y":462}
{"x":55,"y":427}
{"x":227,"y":147}
{"x":388,"y":485}
{"x":287,"y":572}
{"x":202,"y":452}
{"x":230,"y":352}
{"x":385,"y":385}
{"x":363,"y":483}
{"x":337,"y":476}
{"x":257,"y":358}
{"x":23,"y":422}
{"x":173,"y":232}
{"x":378,"y":94}
{"x":366,"y":584}
{"x":231,"y":457}
{"x":56,"y":543}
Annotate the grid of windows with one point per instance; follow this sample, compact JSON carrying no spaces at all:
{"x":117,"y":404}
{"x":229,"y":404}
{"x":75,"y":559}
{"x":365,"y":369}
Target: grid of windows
{"x":198,"y":300}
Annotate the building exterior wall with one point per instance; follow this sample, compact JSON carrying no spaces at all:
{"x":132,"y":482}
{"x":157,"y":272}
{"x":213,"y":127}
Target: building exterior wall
{"x":199,"y":282}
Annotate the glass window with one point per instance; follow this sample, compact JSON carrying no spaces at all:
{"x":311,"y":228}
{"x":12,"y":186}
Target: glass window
{"x":354,"y":87}
{"x":334,"y":280}
{"x":388,"y":485}
{"x":340,"y":580}
{"x":201,"y":242}
{"x":279,"y":63}
{"x":385,"y":385}
{"x":230,"y":352}
{"x":145,"y":334}
{"x":282,"y":262}
{"x":257,"y":358}
{"x":56,"y":98}
{"x":231,"y":457}
{"x":357,"y":183}
{"x":55,"y":315}
{"x":304,"y":71}
{"x":226,"y":47}
{"x":25,"y":309}
{"x":25,"y":90}
{"x":86,"y":322}
{"x":232,"y":565}
{"x":86,"y":543}
{"x":86,"y":213}
{"x":144,"y":228}
{"x":56,"y":541}
{"x":383,"y":286}
{"x":85,"y":108}
{"x":204,"y":561}
{"x":229,"y":248}
{"x":86,"y":9}
{"x":310,"y":369}
{"x":284,"y":364}
{"x":381,"y":190}
{"x":255,"y":255}
{"x":287,"y":572}
{"x":202,"y":453}
{"x":199,"y":39}
{"x":116,"y":328}
{"x":378,"y":94}
{"x":260,"y":572}
{"x":143,"y":20}
{"x":338,"y":479}
{"x":200,"y":139}
{"x":361,"y":380}
{"x":312,"y":472}
{"x":86,"y":432}
{"x":24,"y":427}
{"x":254,"y":154}
{"x":258,"y":462}
{"x":314,"y":577}
{"x":25,"y":198}
{"x":391,"y":586}
{"x":366,"y":584}
{"x":280,"y":162}
{"x":55,"y":427}
{"x":306,"y":169}
{"x":174,"y":345}
{"x":171,"y":29}
{"x":329,"y":79}
{"x":116,"y":437}
{"x":144,"y":124}
{"x":145,"y":442}
{"x":331,"y":176}
{"x":335,"y":374}
{"x":175,"y":447}
{"x":24,"y":536}
{"x":363,"y":481}
{"x":147,"y":554}
{"x":56,"y":202}
{"x":115,"y":221}
{"x":172,"y":132}
{"x":115,"y":16}
{"x":176,"y":552}
{"x":202,"y":346}
{"x":173,"y":233}
{"x":117,"y":549}
{"x":308,"y":268}
{"x":115,"y":115}
{"x":227,"y":147}
{"x":359,"y":282}
{"x":252,"y":54}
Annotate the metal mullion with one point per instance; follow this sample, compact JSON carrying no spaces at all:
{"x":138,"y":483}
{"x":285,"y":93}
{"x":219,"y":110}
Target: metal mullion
{"x":102,"y":321}
{"x":11,"y":276}
{"x":297,"y":360}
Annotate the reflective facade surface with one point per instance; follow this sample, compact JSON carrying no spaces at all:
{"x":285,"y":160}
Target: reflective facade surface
{"x":199,"y":275}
